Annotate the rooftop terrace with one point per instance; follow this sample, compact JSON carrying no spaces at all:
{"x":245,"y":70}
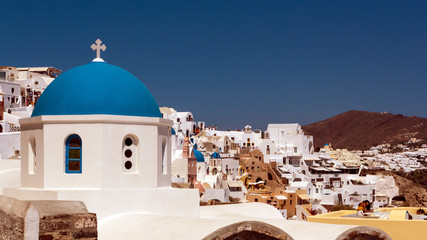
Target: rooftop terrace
{"x":399,"y":223}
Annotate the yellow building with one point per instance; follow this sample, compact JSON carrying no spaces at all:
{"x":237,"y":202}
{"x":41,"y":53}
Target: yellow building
{"x":398,"y":223}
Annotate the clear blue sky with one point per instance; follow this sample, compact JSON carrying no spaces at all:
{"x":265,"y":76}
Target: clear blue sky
{"x":233,"y":63}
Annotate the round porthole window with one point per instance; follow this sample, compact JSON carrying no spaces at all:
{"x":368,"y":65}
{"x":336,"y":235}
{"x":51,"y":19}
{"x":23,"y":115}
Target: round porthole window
{"x":128,"y":153}
{"x":128,"y":164}
{"x":128,"y":142}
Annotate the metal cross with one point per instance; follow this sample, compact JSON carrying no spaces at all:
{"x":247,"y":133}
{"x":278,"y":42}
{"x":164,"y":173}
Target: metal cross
{"x":98,"y":47}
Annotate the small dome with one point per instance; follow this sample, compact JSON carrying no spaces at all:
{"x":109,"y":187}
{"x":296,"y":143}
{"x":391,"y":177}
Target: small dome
{"x":215,"y":155}
{"x":198,"y":155}
{"x":97,"y":88}
{"x":173,"y":132}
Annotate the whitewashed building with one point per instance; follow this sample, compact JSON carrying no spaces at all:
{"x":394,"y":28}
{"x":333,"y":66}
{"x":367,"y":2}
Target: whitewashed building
{"x":20,"y":88}
{"x":112,"y":153}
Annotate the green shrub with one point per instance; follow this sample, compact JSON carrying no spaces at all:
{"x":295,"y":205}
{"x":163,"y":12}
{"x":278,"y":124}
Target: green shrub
{"x":341,"y":207}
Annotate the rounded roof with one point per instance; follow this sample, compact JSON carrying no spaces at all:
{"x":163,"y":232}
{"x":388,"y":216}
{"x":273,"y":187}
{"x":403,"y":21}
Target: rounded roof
{"x":215,"y":155}
{"x":198,"y":155}
{"x":97,"y":88}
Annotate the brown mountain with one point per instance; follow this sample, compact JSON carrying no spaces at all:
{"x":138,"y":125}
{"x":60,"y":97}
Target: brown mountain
{"x":362,"y":130}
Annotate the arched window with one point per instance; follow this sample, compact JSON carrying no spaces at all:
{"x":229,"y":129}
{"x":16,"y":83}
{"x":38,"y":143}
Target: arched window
{"x":164,"y":155}
{"x":73,"y":154}
{"x":310,"y":148}
{"x":32,"y":155}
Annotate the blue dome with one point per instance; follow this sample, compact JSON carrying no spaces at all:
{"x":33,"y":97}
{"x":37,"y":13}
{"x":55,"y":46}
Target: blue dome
{"x":199,"y":156}
{"x":173,"y":131}
{"x":215,"y":155}
{"x":97,"y":88}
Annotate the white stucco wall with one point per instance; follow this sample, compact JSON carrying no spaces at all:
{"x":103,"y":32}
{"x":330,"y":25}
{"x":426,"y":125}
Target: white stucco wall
{"x":180,"y":168}
{"x":9,"y":143}
{"x":103,"y":185}
{"x":232,"y":165}
{"x":11,"y":90}
{"x":10,"y":171}
{"x":102,"y":141}
{"x":220,"y":194}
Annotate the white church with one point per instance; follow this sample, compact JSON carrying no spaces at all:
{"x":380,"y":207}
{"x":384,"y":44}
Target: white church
{"x":104,"y":143}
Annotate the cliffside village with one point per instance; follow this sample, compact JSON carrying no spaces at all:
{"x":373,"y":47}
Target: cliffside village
{"x":277,"y":166}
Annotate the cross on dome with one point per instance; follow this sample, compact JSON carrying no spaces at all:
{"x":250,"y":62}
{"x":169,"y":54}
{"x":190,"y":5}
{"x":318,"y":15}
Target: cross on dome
{"x":98,"y":47}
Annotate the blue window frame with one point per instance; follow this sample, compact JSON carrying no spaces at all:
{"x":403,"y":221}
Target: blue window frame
{"x":73,"y":154}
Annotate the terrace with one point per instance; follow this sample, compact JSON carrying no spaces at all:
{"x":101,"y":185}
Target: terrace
{"x":398,"y":223}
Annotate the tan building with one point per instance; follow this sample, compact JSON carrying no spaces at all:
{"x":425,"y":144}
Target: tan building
{"x":265,"y":185}
{"x":253,"y":165}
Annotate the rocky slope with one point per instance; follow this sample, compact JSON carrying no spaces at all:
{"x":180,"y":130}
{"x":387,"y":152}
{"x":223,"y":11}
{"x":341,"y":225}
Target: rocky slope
{"x":415,"y":194}
{"x":362,"y":130}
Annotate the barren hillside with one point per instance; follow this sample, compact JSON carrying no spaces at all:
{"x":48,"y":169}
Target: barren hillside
{"x":361,"y":130}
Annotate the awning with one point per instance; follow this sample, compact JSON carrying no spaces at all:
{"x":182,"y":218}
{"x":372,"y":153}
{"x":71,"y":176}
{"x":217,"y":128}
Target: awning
{"x":234,"y":184}
{"x":40,"y":69}
{"x":239,"y":177}
{"x":320,"y":169}
{"x":303,"y":196}
{"x":280,"y":197}
{"x":258,"y":195}
{"x":255,"y":183}
{"x":334,"y":170}
{"x":380,"y":195}
{"x":323,"y":169}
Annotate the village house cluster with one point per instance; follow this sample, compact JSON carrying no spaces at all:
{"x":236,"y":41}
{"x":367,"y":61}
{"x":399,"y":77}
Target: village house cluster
{"x":20,"y":88}
{"x":406,"y":157}
{"x":277,"y":166}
